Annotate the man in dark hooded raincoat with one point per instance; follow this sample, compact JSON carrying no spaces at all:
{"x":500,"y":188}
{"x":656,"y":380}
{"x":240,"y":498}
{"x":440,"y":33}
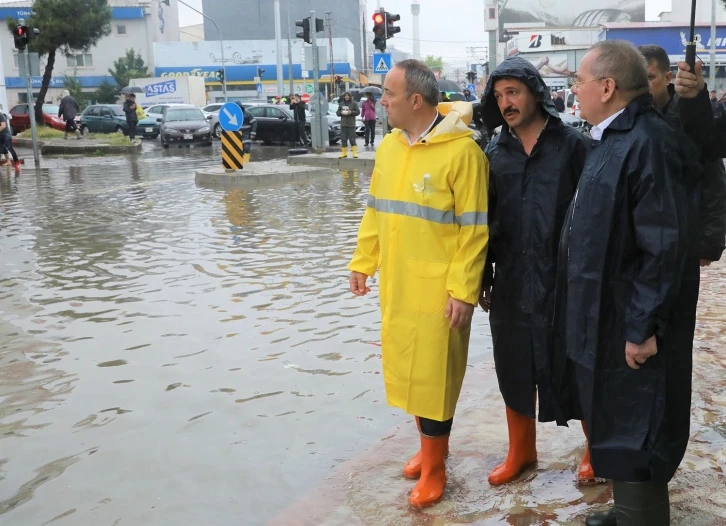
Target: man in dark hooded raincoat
{"x":622,"y":254}
{"x":535,"y":163}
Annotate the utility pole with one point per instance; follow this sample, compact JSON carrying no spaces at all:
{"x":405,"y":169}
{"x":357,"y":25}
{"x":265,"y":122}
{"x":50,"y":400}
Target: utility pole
{"x":289,"y":53}
{"x":318,"y":115}
{"x":31,"y":107}
{"x":329,"y":23}
{"x":278,"y":40}
{"x":712,"y":69}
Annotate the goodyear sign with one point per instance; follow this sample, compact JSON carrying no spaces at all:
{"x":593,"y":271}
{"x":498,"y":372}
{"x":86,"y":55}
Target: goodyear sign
{"x":162,"y":88}
{"x":196,"y":72}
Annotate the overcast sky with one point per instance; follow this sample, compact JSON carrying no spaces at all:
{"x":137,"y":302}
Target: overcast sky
{"x":446,"y":32}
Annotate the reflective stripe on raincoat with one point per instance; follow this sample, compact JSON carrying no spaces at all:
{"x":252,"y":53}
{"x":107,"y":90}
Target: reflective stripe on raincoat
{"x":425,"y":230}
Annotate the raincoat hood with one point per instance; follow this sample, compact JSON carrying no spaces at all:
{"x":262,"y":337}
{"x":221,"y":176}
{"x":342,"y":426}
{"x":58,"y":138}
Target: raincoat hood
{"x":455,"y":123}
{"x":342,"y":97}
{"x":524,"y":71}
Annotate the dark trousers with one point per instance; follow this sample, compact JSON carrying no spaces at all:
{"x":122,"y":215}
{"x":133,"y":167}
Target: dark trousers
{"x":132,"y":129}
{"x":347,"y":134}
{"x":302,"y":134}
{"x":370,"y":133}
{"x":8,"y":146}
{"x":433,"y":428}
{"x":70,"y":125}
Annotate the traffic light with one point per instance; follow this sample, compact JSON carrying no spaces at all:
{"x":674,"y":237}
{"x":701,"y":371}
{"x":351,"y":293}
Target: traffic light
{"x":471,"y":77}
{"x":21,"y":37}
{"x":379,"y":30}
{"x":390,"y":28}
{"x":260,"y":71}
{"x":220,"y":74}
{"x":305,"y":33}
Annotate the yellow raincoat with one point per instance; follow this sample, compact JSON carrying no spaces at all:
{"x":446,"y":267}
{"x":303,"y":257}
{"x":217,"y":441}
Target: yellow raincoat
{"x":425,"y":230}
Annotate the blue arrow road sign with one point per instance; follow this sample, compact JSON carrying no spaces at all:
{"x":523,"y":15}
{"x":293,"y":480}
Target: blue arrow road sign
{"x":381,"y":62}
{"x":231,"y":117}
{"x":259,"y":89}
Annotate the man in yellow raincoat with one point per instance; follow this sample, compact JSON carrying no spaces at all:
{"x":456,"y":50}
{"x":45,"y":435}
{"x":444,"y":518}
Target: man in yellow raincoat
{"x":425,"y":230}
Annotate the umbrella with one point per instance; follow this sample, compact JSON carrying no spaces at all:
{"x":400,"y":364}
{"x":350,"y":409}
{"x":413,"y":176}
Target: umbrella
{"x":372,"y":89}
{"x":449,"y":86}
{"x":691,"y":47}
{"x":131,"y":89}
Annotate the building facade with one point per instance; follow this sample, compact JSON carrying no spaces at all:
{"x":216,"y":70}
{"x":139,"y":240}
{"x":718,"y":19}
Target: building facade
{"x":136,"y":25}
{"x":243,"y":59}
{"x":255,"y":20}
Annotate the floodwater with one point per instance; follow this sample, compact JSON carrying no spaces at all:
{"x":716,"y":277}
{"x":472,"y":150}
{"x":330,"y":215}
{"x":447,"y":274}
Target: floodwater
{"x":173,"y":355}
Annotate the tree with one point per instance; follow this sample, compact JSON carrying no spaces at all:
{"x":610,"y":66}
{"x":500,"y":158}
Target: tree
{"x":73,"y":85}
{"x":106,"y":93}
{"x":66,"y":26}
{"x":130,"y":66}
{"x":436,"y":62}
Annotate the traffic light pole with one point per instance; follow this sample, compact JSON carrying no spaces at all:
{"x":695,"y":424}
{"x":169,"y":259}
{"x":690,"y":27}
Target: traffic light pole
{"x":319,"y":141}
{"x":31,"y":108}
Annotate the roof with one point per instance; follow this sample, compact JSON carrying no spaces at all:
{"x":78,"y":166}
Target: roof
{"x":647,"y":25}
{"x":111,"y":3}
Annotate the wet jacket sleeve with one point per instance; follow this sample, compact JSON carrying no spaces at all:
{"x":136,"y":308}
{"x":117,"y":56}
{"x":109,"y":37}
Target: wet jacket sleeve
{"x":698,"y":123}
{"x":253,"y":123}
{"x":713,"y":211}
{"x":61,"y":108}
{"x":355,"y":109}
{"x":367,"y":252}
{"x":470,"y":181}
{"x":658,"y":227}
{"x":488,"y":278}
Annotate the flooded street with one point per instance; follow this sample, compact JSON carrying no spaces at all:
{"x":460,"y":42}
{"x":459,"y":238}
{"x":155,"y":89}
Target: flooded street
{"x":173,"y":355}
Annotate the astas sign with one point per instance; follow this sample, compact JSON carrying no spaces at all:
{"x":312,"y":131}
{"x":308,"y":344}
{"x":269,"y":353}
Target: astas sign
{"x":162,"y":88}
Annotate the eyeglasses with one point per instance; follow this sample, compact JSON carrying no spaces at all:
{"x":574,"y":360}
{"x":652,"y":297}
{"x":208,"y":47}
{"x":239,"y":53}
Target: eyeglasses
{"x":576,"y":83}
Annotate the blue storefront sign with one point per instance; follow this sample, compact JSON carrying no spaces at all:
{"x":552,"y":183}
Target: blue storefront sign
{"x":118,"y":13}
{"x":245,"y":73}
{"x":57,"y":82}
{"x":671,"y":38}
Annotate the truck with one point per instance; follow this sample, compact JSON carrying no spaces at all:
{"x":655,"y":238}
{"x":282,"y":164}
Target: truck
{"x":175,"y":90}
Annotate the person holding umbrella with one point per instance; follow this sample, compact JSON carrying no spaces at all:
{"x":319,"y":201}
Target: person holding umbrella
{"x":368,"y":111}
{"x":131,"y":118}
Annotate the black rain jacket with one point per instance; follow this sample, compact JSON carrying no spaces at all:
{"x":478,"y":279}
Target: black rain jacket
{"x":622,"y":257}
{"x":528,"y":201}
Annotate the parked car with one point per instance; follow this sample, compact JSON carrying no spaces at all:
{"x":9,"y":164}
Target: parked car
{"x":185,"y":124}
{"x":149,"y":127}
{"x":104,"y":118}
{"x":21,"y":117}
{"x":213,"y":108}
{"x":276,"y":123}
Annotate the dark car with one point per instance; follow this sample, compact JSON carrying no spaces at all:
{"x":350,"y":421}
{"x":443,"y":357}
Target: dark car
{"x":104,"y":118}
{"x":185,"y":125}
{"x":276,"y":124}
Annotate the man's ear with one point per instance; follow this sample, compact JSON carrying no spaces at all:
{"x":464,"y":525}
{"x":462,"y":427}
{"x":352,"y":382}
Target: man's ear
{"x":608,"y":90}
{"x":669,"y":77}
{"x":417,"y":101}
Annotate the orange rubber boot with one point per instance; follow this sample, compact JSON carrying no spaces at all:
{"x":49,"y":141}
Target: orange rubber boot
{"x":412,"y":469}
{"x":585,"y":473}
{"x":522,"y":448}
{"x":430,"y":487}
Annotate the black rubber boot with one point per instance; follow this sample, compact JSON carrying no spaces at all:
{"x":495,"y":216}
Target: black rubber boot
{"x":602,"y":518}
{"x":641,"y":503}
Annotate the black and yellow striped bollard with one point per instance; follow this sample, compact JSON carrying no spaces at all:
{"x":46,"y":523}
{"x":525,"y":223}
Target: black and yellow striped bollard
{"x":232,"y":150}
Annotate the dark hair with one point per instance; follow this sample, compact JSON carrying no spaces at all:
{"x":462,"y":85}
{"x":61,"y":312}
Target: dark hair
{"x":420,"y":79}
{"x":656,"y":55}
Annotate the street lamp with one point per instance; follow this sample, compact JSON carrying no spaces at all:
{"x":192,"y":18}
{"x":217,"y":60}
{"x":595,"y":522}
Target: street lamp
{"x":221,"y":45}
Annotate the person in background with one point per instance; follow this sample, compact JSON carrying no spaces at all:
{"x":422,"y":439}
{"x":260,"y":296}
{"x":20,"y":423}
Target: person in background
{"x":131,"y":118}
{"x":468,"y":97}
{"x":347,"y":111}
{"x":559,"y":102}
{"x":249,"y":132}
{"x":6,"y":138}
{"x":67,"y":110}
{"x":368,"y":111}
{"x":298,"y":108}
{"x":717,"y":107}
{"x":425,"y":232}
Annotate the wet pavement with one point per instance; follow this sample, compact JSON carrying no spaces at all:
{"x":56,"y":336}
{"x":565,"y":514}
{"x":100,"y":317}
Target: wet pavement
{"x":173,"y":355}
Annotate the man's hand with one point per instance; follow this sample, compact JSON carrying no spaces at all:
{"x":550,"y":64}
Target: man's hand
{"x":358,"y":284}
{"x":689,"y":84}
{"x":485,"y":299}
{"x":636,"y":355}
{"x":459,"y":313}
{"x":706,"y":262}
